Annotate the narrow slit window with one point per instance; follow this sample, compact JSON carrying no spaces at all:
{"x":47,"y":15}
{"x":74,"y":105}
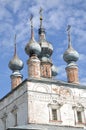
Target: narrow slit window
{"x":16,"y":119}
{"x":54,"y":114}
{"x":79,"y":116}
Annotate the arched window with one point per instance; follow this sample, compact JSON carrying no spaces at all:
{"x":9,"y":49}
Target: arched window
{"x":4,"y":117}
{"x":14,"y":112}
{"x":54,"y":112}
{"x":79,"y":115}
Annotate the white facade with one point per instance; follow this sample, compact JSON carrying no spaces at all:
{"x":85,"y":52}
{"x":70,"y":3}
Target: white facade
{"x":15,"y":103}
{"x":44,"y":102}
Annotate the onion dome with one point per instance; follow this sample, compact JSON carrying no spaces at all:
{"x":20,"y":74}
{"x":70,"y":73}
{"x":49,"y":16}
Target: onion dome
{"x":32,"y":48}
{"x":46,"y":47}
{"x":15,"y":64}
{"x":70,"y":55}
{"x":54,"y":70}
{"x":45,"y":59}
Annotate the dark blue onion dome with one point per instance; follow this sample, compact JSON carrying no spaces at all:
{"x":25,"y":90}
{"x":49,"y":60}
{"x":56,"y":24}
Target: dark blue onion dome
{"x":46,"y":47}
{"x":54,"y":70}
{"x":32,"y":48}
{"x":70,"y":55}
{"x":16,"y":64}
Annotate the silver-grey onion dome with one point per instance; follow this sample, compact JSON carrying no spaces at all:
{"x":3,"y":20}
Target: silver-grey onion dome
{"x":33,"y":48}
{"x":54,"y":70}
{"x":16,"y":63}
{"x":46,"y":48}
{"x":70,"y":55}
{"x":45,"y":59}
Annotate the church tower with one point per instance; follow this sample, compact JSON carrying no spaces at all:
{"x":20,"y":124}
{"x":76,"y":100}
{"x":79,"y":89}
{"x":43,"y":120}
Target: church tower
{"x":46,"y":52}
{"x":33,"y":49}
{"x":15,"y":65}
{"x":71,"y":56}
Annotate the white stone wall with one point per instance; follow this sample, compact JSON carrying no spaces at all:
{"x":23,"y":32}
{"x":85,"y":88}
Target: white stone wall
{"x":41,"y":95}
{"x":17,"y":98}
{"x":34,"y":102}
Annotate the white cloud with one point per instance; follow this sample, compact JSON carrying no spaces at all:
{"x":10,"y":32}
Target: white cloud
{"x":57,"y":15}
{"x":83,"y":81}
{"x":82,"y":57}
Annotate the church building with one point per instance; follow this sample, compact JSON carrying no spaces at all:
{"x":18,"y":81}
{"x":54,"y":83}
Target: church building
{"x":42,"y":102}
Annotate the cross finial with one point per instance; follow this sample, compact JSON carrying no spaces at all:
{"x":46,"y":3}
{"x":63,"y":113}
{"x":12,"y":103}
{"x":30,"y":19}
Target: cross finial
{"x":68,"y":27}
{"x":31,"y":20}
{"x":32,"y":32}
{"x":40,"y":12}
{"x":15,"y":45}
{"x":69,"y":38}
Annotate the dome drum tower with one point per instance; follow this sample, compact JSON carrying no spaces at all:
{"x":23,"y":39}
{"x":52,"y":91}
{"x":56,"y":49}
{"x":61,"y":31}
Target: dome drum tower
{"x":46,"y":52}
{"x":71,"y":56}
{"x":72,"y":74}
{"x":34,"y":67}
{"x":15,"y":65}
{"x":46,"y":69}
{"x":15,"y":80}
{"x":33,"y":49}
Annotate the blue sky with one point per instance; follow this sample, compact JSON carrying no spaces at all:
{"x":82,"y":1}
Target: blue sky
{"x":57,"y":14}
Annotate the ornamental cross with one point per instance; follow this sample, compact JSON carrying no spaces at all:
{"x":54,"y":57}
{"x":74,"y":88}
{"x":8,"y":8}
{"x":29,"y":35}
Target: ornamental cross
{"x":15,"y":45}
{"x":68,"y":29}
{"x":40,"y":12}
{"x":31,"y":17}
